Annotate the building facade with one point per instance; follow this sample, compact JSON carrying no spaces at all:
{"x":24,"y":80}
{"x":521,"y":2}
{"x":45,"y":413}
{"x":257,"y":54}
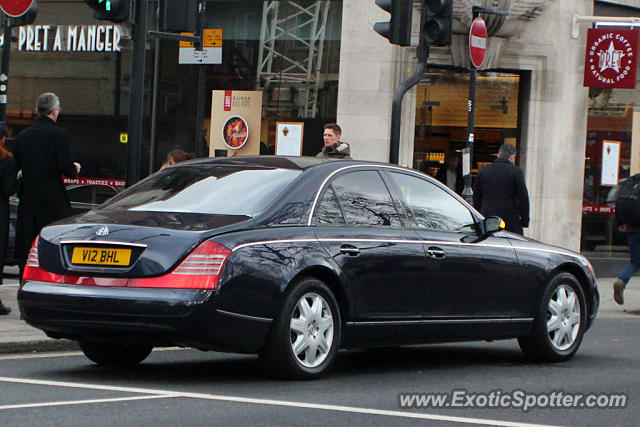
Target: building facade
{"x":320,"y":61}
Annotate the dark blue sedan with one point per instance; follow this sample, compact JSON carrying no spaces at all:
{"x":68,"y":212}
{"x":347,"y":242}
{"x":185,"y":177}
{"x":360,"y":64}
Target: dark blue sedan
{"x":294,"y":258}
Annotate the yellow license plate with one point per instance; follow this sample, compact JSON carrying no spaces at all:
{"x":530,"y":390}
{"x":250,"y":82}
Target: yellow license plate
{"x":101,"y":256}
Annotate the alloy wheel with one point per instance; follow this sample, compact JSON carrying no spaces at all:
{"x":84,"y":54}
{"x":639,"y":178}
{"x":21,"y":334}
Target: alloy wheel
{"x":311,"y":330}
{"x":563,"y":317}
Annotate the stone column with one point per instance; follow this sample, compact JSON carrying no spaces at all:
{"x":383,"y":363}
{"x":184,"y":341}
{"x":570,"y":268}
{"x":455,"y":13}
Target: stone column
{"x":555,"y":121}
{"x":370,"y":70}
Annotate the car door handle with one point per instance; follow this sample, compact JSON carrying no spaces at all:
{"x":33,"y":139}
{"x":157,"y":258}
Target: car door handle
{"x":435,"y":252}
{"x":349,"y":250}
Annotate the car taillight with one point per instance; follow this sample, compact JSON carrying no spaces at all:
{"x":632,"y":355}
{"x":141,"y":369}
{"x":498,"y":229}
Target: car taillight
{"x":32,"y":270}
{"x":32,"y":259}
{"x":199,"y":270}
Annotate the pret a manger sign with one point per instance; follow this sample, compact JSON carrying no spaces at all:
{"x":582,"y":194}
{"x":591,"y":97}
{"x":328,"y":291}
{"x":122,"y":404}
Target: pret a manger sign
{"x":611,"y":59}
{"x":69,"y":38}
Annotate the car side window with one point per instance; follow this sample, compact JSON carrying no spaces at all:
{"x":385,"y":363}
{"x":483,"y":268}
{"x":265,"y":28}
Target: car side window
{"x":103,"y":194}
{"x":328,"y":211}
{"x":432,"y":207}
{"x":365,"y":200}
{"x":80,"y":194}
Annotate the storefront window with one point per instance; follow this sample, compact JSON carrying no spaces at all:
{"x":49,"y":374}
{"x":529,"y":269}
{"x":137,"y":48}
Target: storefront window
{"x":609,"y":137}
{"x":441,"y":118}
{"x":288,"y":50}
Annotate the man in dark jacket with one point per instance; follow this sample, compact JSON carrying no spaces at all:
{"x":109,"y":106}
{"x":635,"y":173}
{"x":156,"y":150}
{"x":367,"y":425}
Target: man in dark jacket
{"x":500,"y":190}
{"x":44,"y":156}
{"x":333,"y":147}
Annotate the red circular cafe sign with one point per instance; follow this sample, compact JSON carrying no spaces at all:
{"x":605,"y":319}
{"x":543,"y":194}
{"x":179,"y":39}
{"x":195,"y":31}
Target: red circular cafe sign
{"x":478,"y":42}
{"x":611,"y":59}
{"x":15,"y":8}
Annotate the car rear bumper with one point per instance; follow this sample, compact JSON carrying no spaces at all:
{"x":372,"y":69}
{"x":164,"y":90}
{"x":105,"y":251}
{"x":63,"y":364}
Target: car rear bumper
{"x":185,"y":317}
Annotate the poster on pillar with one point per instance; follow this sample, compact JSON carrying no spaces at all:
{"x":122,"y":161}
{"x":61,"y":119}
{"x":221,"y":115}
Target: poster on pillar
{"x":610,"y":163}
{"x":236,"y":118}
{"x":611,"y":59}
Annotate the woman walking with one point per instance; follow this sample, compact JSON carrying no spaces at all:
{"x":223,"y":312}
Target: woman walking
{"x":8,"y":170}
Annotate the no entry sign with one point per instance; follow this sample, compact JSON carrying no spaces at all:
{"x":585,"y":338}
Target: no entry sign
{"x":15,"y":8}
{"x":478,"y":42}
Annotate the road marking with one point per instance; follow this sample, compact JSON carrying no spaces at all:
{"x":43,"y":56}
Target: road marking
{"x":81,"y":402}
{"x":271,"y":402}
{"x":20,"y":356}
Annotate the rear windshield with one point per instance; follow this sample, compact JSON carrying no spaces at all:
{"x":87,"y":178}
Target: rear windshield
{"x":209,"y":189}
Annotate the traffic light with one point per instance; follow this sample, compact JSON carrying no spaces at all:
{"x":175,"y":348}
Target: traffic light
{"x":109,"y":10}
{"x":178,"y":16}
{"x":398,"y":29}
{"x":436,"y":22}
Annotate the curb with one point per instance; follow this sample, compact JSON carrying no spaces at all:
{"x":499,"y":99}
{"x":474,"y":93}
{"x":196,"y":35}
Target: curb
{"x":38,"y":346}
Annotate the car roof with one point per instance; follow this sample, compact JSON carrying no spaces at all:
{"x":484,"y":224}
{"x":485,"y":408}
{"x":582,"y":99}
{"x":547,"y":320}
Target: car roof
{"x":283,"y":162}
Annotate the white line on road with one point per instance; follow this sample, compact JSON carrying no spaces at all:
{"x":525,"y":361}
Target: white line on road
{"x":82,"y":402}
{"x":284,"y":403}
{"x":41,"y":355}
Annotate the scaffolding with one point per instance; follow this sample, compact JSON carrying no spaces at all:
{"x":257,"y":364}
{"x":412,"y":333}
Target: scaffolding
{"x":290,"y":59}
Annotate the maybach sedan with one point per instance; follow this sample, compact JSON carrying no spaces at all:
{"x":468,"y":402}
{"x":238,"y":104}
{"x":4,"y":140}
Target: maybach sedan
{"x":293,"y":259}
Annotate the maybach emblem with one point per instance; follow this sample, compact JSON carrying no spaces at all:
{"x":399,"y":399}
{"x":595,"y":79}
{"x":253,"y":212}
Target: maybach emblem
{"x":611,"y":58}
{"x":103,"y":231}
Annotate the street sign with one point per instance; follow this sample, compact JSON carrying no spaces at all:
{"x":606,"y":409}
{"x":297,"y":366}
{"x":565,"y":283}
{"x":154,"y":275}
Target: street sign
{"x":478,"y":42}
{"x":211,"y":52}
{"x":15,"y":8}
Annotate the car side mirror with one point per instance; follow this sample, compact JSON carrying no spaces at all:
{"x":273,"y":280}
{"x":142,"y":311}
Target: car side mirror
{"x":493,"y":224}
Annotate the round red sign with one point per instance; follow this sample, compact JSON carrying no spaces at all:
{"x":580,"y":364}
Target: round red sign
{"x":478,"y":42}
{"x":15,"y":8}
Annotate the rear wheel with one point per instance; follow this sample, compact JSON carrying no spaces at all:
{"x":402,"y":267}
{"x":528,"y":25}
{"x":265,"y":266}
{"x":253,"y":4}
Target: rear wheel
{"x":559,"y":323}
{"x":305,"y":337}
{"x":115,"y":354}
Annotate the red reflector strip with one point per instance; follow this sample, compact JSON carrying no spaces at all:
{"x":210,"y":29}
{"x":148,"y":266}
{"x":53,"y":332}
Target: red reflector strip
{"x":167,"y":281}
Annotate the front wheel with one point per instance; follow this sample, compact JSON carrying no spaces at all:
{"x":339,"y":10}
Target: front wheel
{"x":305,"y":337}
{"x":115,"y":354}
{"x":560,"y":322}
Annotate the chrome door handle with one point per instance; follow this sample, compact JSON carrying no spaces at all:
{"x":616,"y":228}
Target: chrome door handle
{"x":349,"y":250}
{"x":435,"y":252}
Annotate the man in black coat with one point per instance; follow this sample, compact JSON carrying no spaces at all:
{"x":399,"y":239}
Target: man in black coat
{"x":500,"y":190}
{"x":44,"y":156}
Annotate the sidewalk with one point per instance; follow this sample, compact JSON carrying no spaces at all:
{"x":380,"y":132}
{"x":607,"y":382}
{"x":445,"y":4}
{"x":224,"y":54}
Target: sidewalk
{"x":18,"y":337}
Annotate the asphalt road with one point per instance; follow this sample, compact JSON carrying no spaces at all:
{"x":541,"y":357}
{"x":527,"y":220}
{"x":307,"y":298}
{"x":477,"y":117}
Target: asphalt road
{"x":188,"y":387}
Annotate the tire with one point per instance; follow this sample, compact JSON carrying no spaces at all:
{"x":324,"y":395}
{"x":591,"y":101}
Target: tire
{"x":113,"y":354}
{"x":305,"y":337}
{"x":559,"y":323}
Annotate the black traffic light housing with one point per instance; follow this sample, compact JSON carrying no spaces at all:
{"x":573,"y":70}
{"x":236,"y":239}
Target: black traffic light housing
{"x":110,"y":10}
{"x":398,"y":29}
{"x":178,"y":15}
{"x":436,"y":22}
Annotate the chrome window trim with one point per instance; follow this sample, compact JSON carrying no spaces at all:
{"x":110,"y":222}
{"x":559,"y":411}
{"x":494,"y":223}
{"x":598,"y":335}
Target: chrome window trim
{"x":102,"y":242}
{"x":423,"y":242}
{"x":395,"y":168}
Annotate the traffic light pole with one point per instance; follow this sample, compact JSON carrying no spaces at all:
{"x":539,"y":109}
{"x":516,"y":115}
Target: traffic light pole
{"x":467,"y":153}
{"x":4,"y":70}
{"x":202,"y":76}
{"x":136,"y":101}
{"x":398,"y":96}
